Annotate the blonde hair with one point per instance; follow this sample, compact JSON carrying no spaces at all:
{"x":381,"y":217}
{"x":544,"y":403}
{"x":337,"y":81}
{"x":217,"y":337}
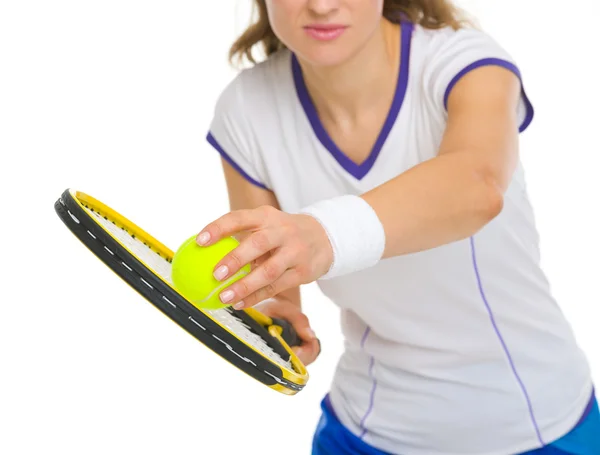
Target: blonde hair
{"x":432,"y":14}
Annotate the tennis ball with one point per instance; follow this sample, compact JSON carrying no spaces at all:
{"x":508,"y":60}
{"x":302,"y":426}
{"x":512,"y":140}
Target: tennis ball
{"x":192,"y":271}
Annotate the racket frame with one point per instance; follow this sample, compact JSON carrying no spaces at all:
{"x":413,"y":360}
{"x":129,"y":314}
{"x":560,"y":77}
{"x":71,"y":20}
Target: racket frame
{"x":71,"y":208}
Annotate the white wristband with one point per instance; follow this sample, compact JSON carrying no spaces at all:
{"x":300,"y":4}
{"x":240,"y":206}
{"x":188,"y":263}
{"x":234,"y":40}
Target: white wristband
{"x":354,"y":230}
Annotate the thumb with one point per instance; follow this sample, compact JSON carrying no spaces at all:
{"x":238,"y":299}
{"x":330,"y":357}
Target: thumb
{"x":310,"y":346}
{"x":308,"y":352}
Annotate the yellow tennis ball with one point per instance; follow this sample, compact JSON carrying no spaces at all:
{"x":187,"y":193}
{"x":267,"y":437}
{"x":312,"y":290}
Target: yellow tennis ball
{"x":192,"y":271}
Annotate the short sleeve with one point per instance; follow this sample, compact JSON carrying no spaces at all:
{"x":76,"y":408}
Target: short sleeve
{"x":453,"y":54}
{"x":231,"y":134}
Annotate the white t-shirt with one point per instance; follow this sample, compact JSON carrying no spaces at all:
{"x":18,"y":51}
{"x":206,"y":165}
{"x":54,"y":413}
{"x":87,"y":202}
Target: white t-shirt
{"x":456,"y":350}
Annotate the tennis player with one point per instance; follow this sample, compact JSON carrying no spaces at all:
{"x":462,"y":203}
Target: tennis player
{"x":375,"y":150}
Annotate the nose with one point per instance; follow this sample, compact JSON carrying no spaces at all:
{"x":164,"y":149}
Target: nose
{"x":323,"y":7}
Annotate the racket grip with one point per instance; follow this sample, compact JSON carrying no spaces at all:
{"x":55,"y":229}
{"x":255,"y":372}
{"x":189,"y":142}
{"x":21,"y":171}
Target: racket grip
{"x":288,"y":333}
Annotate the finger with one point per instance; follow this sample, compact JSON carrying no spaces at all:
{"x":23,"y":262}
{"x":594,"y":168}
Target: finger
{"x":308,"y":352}
{"x":252,"y":248}
{"x":265,"y":281}
{"x":229,"y":224}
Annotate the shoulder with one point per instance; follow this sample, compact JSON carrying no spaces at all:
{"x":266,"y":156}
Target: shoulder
{"x":244,"y":115}
{"x":448,"y":52}
{"x":434,"y":43}
{"x":255,"y":86}
{"x":442,"y":57}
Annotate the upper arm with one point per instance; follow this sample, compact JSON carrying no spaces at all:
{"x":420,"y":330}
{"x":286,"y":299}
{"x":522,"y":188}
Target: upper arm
{"x":232,"y":135}
{"x":243,"y":194}
{"x":475,"y":86}
{"x":483,"y":122}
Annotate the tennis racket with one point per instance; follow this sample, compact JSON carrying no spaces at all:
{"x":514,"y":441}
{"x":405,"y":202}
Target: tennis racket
{"x":253,"y":342}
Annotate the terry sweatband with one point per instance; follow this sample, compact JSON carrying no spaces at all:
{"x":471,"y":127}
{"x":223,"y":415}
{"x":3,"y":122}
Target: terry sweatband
{"x":354,"y":230}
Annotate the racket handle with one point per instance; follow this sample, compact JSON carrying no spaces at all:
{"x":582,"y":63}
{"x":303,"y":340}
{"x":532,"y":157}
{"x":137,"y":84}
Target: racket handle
{"x":288,"y":333}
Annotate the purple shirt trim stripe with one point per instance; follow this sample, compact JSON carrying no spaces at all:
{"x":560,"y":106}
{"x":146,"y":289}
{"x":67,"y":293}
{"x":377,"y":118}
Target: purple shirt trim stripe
{"x":503,"y":343}
{"x":504,"y":64}
{"x":357,"y":170}
{"x":212,"y":141}
{"x":373,"y":388}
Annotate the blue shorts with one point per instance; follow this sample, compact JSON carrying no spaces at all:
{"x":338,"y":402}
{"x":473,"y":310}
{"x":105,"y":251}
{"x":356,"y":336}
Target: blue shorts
{"x":332,"y":438}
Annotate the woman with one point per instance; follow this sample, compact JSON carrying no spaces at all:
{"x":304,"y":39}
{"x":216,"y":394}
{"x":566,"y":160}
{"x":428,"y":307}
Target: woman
{"x":375,"y":151}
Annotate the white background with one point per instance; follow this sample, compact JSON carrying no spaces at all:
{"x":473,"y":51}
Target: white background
{"x":114,"y":98}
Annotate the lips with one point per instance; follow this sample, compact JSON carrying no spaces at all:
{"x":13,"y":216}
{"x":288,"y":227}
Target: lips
{"x":325,"y":32}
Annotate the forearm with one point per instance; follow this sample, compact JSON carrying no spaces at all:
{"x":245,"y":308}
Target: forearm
{"x":439,"y":201}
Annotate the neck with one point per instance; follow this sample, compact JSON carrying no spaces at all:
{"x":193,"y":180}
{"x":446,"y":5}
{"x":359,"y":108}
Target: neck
{"x":369,"y":78}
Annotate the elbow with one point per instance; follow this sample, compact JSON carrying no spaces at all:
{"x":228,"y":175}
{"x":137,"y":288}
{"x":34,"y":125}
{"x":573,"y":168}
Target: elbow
{"x":495,"y":203}
{"x":490,"y":197}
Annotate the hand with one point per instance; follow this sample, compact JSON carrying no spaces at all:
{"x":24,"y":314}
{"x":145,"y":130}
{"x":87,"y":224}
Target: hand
{"x":286,"y":250}
{"x":282,"y":308}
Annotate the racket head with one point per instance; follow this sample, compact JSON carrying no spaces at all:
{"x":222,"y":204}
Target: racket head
{"x":248,"y":339}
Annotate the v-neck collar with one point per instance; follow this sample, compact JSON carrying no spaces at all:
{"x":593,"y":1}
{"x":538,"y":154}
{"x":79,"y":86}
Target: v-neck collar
{"x":358,"y":170}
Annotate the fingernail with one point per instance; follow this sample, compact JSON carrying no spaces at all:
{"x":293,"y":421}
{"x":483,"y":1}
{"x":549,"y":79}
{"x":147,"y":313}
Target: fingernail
{"x":239,"y":305}
{"x":203,"y":238}
{"x":312,"y":333}
{"x":221,"y":272}
{"x":226,"y":296}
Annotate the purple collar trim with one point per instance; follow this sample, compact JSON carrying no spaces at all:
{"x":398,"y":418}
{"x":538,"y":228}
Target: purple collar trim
{"x":358,"y":170}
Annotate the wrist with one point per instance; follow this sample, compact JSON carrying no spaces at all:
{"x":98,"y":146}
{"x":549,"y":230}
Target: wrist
{"x":354,"y":230}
